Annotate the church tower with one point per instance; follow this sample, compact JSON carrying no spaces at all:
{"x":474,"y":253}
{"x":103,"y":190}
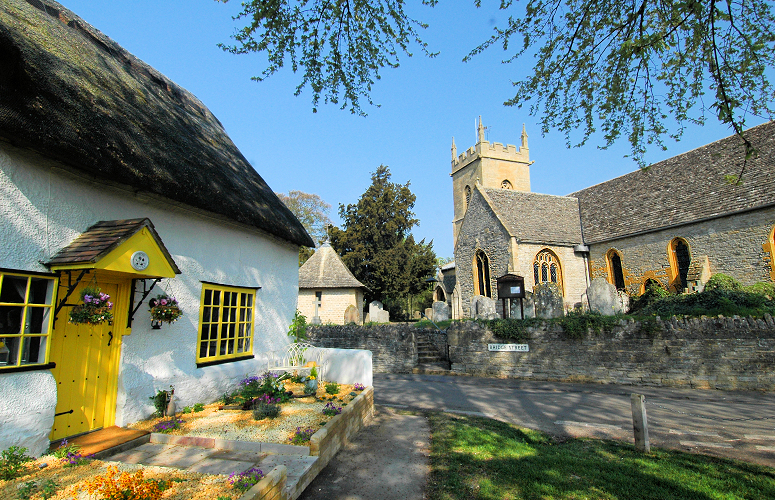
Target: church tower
{"x":490,"y":166}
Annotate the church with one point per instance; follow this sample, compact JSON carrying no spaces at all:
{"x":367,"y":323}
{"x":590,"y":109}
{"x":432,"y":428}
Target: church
{"x":673,"y":224}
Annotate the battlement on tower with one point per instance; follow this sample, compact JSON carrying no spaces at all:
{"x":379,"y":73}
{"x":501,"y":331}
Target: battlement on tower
{"x":496,"y":150}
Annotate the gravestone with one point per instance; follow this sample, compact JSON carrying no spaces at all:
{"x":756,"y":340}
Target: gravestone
{"x":429,"y":313}
{"x":548,"y":301}
{"x":483,"y":307}
{"x":377,"y":314}
{"x":605,"y":299}
{"x":315,"y":320}
{"x":351,"y":315}
{"x":440,"y":311}
{"x":527,"y":305}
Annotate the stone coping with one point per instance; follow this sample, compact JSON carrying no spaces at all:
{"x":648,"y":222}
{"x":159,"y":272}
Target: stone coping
{"x":226,"y":444}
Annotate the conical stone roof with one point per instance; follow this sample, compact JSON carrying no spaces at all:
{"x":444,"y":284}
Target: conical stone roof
{"x":326,"y":270}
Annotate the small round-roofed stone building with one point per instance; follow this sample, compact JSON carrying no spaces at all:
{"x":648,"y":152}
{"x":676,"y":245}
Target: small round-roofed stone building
{"x":328,"y":291}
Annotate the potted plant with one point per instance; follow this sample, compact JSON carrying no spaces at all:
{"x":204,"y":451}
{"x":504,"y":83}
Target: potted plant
{"x":94,"y":308}
{"x":311,"y":384}
{"x":164,"y":309}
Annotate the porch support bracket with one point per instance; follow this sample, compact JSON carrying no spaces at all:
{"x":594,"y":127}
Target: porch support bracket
{"x":70,"y":289}
{"x":146,"y":291}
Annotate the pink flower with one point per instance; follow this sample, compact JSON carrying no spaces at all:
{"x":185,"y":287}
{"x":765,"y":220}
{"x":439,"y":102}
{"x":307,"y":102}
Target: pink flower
{"x":164,"y":302}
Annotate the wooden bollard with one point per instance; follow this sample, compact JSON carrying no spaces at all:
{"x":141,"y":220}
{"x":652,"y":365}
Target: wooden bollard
{"x":639,"y":423}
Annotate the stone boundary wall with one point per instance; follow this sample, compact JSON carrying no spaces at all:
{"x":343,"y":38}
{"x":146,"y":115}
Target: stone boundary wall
{"x":709,"y":353}
{"x":392,"y":345}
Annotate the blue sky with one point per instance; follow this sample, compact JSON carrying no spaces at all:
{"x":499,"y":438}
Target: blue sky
{"x":424,"y":104}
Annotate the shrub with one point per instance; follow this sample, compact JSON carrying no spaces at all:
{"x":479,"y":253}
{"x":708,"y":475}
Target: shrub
{"x":298,"y":327}
{"x":186,"y":409}
{"x":266,"y":407}
{"x":198,"y":407}
{"x":766,"y":289}
{"x":268,"y":383}
{"x":332,"y":388}
{"x":712,"y":303}
{"x":243,"y":481}
{"x":12,"y":462}
{"x":515,"y":329}
{"x":160,"y":401}
{"x":576,"y":324}
{"x":653,"y":293}
{"x":721,"y":281}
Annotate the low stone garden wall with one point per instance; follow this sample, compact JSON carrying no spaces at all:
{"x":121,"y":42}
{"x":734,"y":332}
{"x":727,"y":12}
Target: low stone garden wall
{"x":392,"y":345}
{"x":338,"y":431}
{"x":709,"y":353}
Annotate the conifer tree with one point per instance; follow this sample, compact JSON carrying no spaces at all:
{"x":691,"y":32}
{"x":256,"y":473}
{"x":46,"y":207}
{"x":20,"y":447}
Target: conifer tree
{"x":376,"y":243}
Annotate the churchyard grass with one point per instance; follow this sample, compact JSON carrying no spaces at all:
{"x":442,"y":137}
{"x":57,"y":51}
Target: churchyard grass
{"x":473,"y":457}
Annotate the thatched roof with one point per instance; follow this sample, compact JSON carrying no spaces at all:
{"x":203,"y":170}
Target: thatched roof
{"x":72,"y":94}
{"x":683,"y":189}
{"x":326,"y":270}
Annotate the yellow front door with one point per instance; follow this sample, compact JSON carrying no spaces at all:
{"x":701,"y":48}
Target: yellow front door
{"x":86,"y":358}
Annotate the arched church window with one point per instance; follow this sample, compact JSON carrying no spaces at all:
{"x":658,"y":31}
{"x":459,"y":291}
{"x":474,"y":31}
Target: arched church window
{"x":680,"y":259}
{"x":615,"y":272}
{"x":650,"y":284}
{"x":468,"y":195}
{"x":482,"y":277}
{"x":546,"y":268}
{"x":505,"y":184}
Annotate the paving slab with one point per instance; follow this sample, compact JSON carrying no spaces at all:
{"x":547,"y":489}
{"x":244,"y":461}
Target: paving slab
{"x":219,"y":466}
{"x":243,"y":456}
{"x":180,"y":457}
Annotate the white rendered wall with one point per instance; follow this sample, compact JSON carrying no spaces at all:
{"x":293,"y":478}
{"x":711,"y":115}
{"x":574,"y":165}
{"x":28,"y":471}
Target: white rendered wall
{"x":347,"y":366}
{"x":44,"y":208}
{"x":27,"y":410}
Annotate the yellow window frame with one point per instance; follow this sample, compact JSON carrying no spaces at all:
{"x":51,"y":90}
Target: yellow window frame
{"x":17,"y":347}
{"x":226,"y":322}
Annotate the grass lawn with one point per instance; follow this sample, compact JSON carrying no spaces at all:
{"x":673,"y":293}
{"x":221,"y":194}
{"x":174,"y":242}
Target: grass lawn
{"x":474,"y":457}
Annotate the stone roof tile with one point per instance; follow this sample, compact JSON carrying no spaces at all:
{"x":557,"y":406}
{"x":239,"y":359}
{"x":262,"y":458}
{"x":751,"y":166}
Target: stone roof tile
{"x":685,"y":188}
{"x":326,"y":270}
{"x":536,"y":218}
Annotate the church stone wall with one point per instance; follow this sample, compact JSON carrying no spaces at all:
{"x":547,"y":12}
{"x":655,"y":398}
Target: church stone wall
{"x":737,"y":245}
{"x":481,"y":230}
{"x":574,"y":274}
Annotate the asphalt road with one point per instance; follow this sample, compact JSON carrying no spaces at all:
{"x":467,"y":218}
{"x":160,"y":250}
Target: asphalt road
{"x":722,"y":423}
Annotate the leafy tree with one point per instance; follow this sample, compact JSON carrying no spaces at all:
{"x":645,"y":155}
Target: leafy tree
{"x":627,"y":67}
{"x":312,"y":212}
{"x":376,"y":244}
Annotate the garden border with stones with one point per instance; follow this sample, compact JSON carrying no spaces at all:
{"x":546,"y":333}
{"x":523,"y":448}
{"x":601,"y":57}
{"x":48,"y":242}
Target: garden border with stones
{"x":324,"y":444}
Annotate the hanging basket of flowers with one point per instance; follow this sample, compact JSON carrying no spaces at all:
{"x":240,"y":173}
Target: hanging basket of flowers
{"x":165,"y":309}
{"x":94,"y":309}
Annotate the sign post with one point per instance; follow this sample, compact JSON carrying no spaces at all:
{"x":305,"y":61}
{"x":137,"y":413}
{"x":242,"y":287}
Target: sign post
{"x":511,"y":286}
